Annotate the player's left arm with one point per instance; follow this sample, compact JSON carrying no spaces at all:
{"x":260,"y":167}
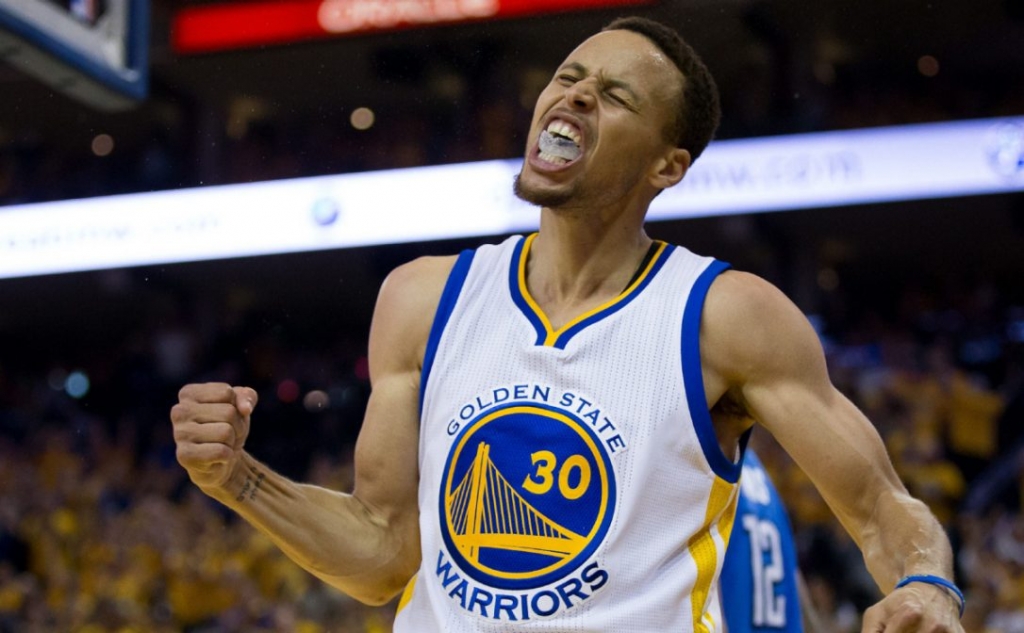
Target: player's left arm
{"x":760,"y":352}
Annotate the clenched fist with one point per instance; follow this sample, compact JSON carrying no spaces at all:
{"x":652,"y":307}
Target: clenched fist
{"x":211,"y":422}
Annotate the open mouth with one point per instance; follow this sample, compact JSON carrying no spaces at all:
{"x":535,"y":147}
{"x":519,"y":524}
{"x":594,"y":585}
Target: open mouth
{"x":559,"y":143}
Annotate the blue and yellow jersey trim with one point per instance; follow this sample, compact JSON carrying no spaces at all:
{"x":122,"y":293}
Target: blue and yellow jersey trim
{"x":558,"y":338}
{"x":693,"y":378}
{"x":449,"y":296}
{"x":719,"y":517}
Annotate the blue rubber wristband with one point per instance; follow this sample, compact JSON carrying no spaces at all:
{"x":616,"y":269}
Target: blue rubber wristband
{"x":939,"y":581}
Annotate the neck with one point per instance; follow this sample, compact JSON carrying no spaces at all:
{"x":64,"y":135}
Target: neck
{"x":578,"y":257}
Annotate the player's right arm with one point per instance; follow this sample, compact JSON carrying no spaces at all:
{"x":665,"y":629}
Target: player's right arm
{"x":365,"y":543}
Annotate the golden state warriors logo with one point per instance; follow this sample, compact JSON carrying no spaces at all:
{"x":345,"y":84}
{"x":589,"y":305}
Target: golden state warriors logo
{"x":527,"y":496}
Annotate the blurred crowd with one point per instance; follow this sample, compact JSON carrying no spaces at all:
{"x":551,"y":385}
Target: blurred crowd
{"x":101,"y":532}
{"x":100,"y":529}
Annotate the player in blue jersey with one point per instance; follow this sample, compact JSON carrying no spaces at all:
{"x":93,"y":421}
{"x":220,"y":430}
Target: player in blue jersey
{"x":761,"y":579}
{"x":485,"y":539}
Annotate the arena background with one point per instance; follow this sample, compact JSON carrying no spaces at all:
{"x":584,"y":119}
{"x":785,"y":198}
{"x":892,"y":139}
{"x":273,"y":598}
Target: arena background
{"x":920,"y":303}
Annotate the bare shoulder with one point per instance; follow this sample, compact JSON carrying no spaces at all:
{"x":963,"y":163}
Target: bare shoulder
{"x":741,"y":298}
{"x":418,"y":280}
{"x":749,"y":326}
{"x":406,"y":305}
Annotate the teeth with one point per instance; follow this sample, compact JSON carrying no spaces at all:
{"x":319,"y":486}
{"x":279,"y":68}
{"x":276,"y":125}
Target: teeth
{"x":551,"y":158}
{"x":562,"y":128}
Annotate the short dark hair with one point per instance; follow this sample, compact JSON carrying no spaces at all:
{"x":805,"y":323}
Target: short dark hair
{"x":697,"y":119}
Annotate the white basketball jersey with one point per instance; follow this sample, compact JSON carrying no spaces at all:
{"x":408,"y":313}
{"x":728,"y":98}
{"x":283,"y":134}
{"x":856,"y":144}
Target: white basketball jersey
{"x":570,"y":479}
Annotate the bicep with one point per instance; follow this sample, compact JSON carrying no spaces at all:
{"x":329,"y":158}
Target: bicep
{"x":386,"y":473}
{"x":386,"y":457}
{"x":774,"y":363}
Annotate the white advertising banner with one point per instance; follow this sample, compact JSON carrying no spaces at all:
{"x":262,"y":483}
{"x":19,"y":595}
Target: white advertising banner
{"x":475,"y":199}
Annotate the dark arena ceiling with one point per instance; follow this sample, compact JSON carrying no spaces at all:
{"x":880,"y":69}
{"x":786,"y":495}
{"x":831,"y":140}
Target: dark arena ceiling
{"x":801,"y":61}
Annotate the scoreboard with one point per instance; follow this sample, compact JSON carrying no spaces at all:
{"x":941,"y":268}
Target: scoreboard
{"x":225,"y":26}
{"x":96,"y":51}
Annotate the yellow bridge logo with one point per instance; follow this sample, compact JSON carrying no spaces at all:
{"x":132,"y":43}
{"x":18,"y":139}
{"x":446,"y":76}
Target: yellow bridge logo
{"x":527,"y":496}
{"x":487,"y":511}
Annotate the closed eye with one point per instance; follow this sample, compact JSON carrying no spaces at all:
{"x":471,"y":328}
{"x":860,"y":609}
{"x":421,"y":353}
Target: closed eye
{"x":620,"y":100}
{"x":616,"y":98}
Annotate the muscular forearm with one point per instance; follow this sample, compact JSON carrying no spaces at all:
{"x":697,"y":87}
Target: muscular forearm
{"x":912,"y":541}
{"x":332,"y":535}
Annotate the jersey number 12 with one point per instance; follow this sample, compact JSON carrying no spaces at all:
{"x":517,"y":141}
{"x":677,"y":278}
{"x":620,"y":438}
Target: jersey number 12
{"x":769,"y":609}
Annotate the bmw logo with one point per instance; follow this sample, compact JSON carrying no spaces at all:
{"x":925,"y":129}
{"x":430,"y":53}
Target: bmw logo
{"x":1005,"y":149}
{"x":325,"y":212}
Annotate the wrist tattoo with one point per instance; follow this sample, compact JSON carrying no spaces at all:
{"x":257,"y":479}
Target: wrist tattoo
{"x":252,"y":484}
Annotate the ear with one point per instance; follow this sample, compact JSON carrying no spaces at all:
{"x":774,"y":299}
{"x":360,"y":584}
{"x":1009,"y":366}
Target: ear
{"x":670,"y":168}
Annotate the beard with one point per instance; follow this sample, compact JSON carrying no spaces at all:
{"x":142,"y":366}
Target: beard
{"x":549,"y":199}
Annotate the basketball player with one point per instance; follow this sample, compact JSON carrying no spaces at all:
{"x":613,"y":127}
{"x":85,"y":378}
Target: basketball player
{"x":543,"y":447}
{"x":761,"y":583}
